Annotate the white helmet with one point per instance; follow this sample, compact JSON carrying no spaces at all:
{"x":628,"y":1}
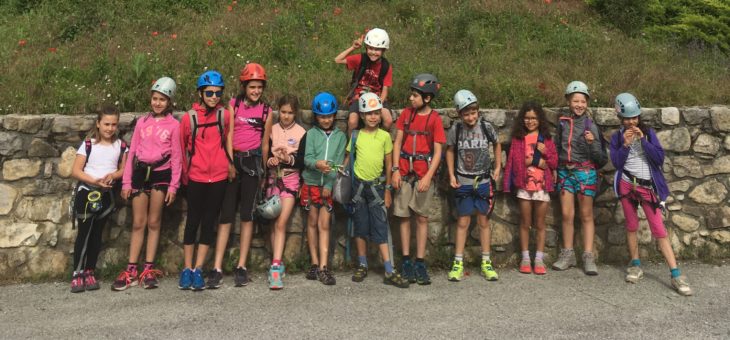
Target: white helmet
{"x":369,"y":102}
{"x":166,"y":86}
{"x":270,"y":208}
{"x":378,"y":38}
{"x":577,"y":86}
{"x":464,"y":98}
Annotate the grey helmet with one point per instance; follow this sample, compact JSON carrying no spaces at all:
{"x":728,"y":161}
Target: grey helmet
{"x":577,"y":86}
{"x":269,"y":208}
{"x":369,"y":102}
{"x":627,"y":106}
{"x":426,"y":83}
{"x":464,"y":98}
{"x":166,"y":86}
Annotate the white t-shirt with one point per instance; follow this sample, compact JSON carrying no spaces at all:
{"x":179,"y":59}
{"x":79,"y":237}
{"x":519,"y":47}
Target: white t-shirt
{"x":103,"y":160}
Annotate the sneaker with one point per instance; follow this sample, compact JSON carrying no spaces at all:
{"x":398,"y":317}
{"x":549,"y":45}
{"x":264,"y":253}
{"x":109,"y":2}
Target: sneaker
{"x":681,"y":285}
{"x":125,"y":280}
{"x":525,"y":266}
{"x":589,"y":264}
{"x":77,"y":283}
{"x":186,"y":279}
{"x":215,"y":279}
{"x":540,"y":267}
{"x":361,"y":272}
{"x":395,"y":279}
{"x":488,"y":271}
{"x":422,"y":274}
{"x":198,"y":282}
{"x":326,"y":276}
{"x":275,"y":276}
{"x":240,"y":277}
{"x":312,"y":273}
{"x":457,"y":271}
{"x":634,"y":274}
{"x":90,"y":282}
{"x":566,"y":259}
{"x":409,"y":272}
{"x":148,"y":278}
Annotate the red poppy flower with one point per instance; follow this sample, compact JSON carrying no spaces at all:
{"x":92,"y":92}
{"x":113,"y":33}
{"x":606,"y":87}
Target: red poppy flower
{"x":52,"y":49}
{"x":154,"y":34}
{"x":21,"y":42}
{"x":210,"y":42}
{"x":548,"y":1}
{"x":276,"y":10}
{"x":337,"y":11}
{"x":173,"y":36}
{"x":541,"y":86}
{"x":229,"y":8}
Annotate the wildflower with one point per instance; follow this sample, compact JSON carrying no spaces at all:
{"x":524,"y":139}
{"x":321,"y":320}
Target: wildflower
{"x":173,"y":36}
{"x":154,"y":34}
{"x":210,"y":43}
{"x":337,"y":11}
{"x":52,"y":49}
{"x":229,"y":8}
{"x":21,"y":42}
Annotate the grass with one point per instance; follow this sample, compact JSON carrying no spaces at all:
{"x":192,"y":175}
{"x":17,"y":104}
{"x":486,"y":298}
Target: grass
{"x":69,"y":57}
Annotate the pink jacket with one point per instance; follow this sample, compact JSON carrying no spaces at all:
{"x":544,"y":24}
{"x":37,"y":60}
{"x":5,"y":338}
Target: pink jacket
{"x":153,"y":140}
{"x":515,"y":172}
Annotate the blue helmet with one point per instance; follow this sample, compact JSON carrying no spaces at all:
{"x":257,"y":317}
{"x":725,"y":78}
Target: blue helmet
{"x":324,"y":103}
{"x":627,"y":106}
{"x":210,"y":78}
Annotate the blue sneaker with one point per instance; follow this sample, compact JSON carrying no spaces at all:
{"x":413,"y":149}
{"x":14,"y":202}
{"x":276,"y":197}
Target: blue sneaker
{"x":275,"y":275}
{"x":409,"y":272}
{"x":422,"y":274}
{"x":186,"y":279}
{"x":198,"y":281}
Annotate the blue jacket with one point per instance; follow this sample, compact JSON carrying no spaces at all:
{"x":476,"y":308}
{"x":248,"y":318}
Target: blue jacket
{"x":654,"y":155}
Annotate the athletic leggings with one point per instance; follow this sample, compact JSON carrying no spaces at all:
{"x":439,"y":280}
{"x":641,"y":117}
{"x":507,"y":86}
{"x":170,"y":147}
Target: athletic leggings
{"x":93,"y":225}
{"x":204,"y":203}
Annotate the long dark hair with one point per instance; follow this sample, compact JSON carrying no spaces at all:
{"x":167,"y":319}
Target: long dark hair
{"x":642,"y":126}
{"x":518,"y":127}
{"x":292,"y":101}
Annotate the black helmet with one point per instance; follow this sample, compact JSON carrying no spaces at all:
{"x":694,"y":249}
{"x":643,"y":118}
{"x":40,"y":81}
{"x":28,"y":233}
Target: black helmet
{"x":426,"y":83}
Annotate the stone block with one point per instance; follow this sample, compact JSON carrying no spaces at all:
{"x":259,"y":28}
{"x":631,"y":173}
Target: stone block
{"x":495,"y":116}
{"x":10,"y":143}
{"x":23,"y":123}
{"x":709,"y":192}
{"x":18,"y":234}
{"x":695,"y":115}
{"x":678,"y":139}
{"x":65,"y":165}
{"x":43,"y":208}
{"x":298,"y":221}
{"x":720,"y":118}
{"x":71,"y":124}
{"x":718,"y":217}
{"x":721,"y":236}
{"x":53,"y":185}
{"x":720,"y":165}
{"x":605,"y":116}
{"x":684,"y":166}
{"x":502,"y":234}
{"x":293,"y":247}
{"x":617,"y":235}
{"x":7,"y":198}
{"x":15,"y":169}
{"x":707,"y":144}
{"x":46,"y":261}
{"x":685,"y":222}
{"x":40,"y":148}
{"x":506,"y":209}
{"x":670,"y":116}
{"x":680,"y":186}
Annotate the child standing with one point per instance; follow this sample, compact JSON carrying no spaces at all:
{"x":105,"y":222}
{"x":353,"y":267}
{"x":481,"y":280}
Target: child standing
{"x":151,"y":180}
{"x":638,"y":157}
{"x":530,"y":165}
{"x":370,"y":149}
{"x":204,"y":131}
{"x":416,"y":155}
{"x":581,"y":154}
{"x":469,"y":165}
{"x":371,"y":73}
{"x":99,"y":162}
{"x":325,"y":147}
{"x":250,"y":125}
{"x":286,"y":159}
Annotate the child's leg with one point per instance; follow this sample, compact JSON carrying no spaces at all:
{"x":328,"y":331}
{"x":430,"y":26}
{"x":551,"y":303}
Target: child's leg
{"x":405,"y":235}
{"x":525,"y":223}
{"x":211,"y":211}
{"x":362,"y":247}
{"x":154,"y":222}
{"x":353,"y":119}
{"x":421,"y":235}
{"x":567,"y":208}
{"x":387,"y":119}
{"x":585,"y":204}
{"x":631,"y":219}
{"x":83,"y":234}
{"x":95,"y":241}
{"x":666,"y":248}
{"x":221,"y":242}
{"x":312,"y":235}
{"x":140,"y":204}
{"x":485,"y":233}
{"x":279,"y":233}
{"x":462,"y":227}
{"x":245,"y":244}
{"x":323,"y":224}
{"x":540,"y":212}
{"x":196,"y":196}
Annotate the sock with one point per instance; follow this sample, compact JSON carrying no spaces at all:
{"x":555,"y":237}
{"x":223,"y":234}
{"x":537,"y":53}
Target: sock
{"x":539,"y":255}
{"x":132,"y":267}
{"x":276,"y":262}
{"x":363,"y":261}
{"x":525,"y":254}
{"x":568,"y":250}
{"x":419,"y":260}
{"x":635,"y":262}
{"x":459,"y":257}
{"x":149,"y":265}
{"x":485,"y":256}
{"x":388,"y":267}
{"x":675,"y":272}
{"x":406,"y":258}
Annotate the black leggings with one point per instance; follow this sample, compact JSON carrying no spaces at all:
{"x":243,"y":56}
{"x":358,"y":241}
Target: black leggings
{"x":90,"y":227}
{"x":204,"y":203}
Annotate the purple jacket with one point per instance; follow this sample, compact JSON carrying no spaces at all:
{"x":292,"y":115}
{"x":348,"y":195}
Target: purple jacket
{"x":515,"y":172}
{"x":654,"y":155}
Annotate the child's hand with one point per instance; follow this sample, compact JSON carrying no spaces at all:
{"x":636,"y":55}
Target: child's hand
{"x":528,"y":160}
{"x":541,"y":147}
{"x":109,"y":179}
{"x":496,"y":174}
{"x":454,"y":183}
{"x":638,"y":132}
{"x":126,"y":193}
{"x":169,"y":198}
{"x":272,"y":162}
{"x":231,"y":172}
{"x":387,"y":199}
{"x":423,"y":184}
{"x":589,"y":137}
{"x":357,"y":43}
{"x":323,"y":166}
{"x":395,"y":179}
{"x":628,"y":137}
{"x":326,"y":193}
{"x":542,"y":164}
{"x":101,"y":183}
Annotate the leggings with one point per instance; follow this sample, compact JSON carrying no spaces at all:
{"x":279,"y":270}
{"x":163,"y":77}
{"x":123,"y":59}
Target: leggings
{"x":204,"y":203}
{"x":90,"y":227}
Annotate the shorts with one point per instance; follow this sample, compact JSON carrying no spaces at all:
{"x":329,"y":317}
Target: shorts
{"x":241,"y":194}
{"x":579,"y":180}
{"x":369,"y":213}
{"x":288,"y":186}
{"x":631,"y":195}
{"x":540,"y":195}
{"x":468,"y":200}
{"x":408,"y":198}
{"x":158,"y":180}
{"x":311,"y":196}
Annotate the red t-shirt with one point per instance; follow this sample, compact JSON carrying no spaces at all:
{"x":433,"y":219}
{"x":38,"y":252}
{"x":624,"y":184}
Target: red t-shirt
{"x":535,"y":175}
{"x":435,"y":127}
{"x":370,"y":78}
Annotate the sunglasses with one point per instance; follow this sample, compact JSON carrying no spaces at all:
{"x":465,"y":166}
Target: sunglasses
{"x":211,"y":93}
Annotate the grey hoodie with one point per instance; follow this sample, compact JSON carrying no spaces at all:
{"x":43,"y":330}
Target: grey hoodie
{"x":574,"y":148}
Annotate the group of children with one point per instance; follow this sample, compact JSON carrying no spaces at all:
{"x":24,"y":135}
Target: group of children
{"x":237,"y":158}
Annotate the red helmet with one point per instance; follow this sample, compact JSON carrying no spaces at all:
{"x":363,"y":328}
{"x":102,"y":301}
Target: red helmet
{"x":253,"y":71}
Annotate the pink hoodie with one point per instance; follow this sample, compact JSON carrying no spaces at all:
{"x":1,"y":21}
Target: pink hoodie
{"x":152,"y":140}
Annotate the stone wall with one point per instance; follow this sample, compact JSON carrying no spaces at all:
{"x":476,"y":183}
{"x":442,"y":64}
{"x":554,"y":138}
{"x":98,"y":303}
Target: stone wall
{"x":37,"y":152}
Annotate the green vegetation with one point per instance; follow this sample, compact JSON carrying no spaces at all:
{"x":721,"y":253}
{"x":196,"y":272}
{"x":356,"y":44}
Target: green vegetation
{"x":70,"y":56}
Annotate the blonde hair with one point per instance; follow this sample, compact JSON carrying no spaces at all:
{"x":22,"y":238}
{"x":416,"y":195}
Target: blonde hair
{"x":106,"y":110}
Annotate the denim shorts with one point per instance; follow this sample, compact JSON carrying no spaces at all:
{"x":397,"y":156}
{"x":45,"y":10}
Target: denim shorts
{"x":468,"y":200}
{"x":369,"y":213}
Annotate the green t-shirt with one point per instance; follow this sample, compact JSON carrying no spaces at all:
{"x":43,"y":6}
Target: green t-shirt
{"x":370,"y":152}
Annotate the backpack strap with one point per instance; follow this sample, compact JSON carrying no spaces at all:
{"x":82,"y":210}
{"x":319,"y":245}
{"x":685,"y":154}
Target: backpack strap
{"x":456,"y":146}
{"x":357,"y":75}
{"x":193,"y":133}
{"x":384,"y":67}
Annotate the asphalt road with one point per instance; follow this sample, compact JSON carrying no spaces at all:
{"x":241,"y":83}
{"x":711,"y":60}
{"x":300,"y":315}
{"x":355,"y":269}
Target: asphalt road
{"x":559,"y":305}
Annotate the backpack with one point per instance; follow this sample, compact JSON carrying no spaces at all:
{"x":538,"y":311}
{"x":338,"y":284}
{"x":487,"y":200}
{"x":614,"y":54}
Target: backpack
{"x":194,"y":131}
{"x":116,"y":187}
{"x":459,"y":126}
{"x":360,"y":72}
{"x":599,"y":160}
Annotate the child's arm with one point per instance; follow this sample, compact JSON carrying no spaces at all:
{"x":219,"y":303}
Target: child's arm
{"x":384,"y":94}
{"x":342,"y":57}
{"x":298,"y":157}
{"x":396,"y":158}
{"x":425,"y":182}
{"x":310,"y":161}
{"x":619,"y":153}
{"x":184,"y":133}
{"x":229,"y":145}
{"x":508,"y":168}
{"x":550,"y":156}
{"x":497,"y":160}
{"x":387,"y":197}
{"x":127,"y":175}
{"x":652,"y":148}
{"x":267,"y":137}
{"x":176,"y":165}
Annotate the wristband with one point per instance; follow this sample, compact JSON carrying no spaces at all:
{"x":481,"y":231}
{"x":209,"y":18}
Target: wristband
{"x":394,"y":169}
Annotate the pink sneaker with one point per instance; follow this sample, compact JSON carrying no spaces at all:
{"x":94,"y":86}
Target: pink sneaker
{"x":90,"y":280}
{"x":77,"y":283}
{"x":540,"y":267}
{"x":525,"y":267}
